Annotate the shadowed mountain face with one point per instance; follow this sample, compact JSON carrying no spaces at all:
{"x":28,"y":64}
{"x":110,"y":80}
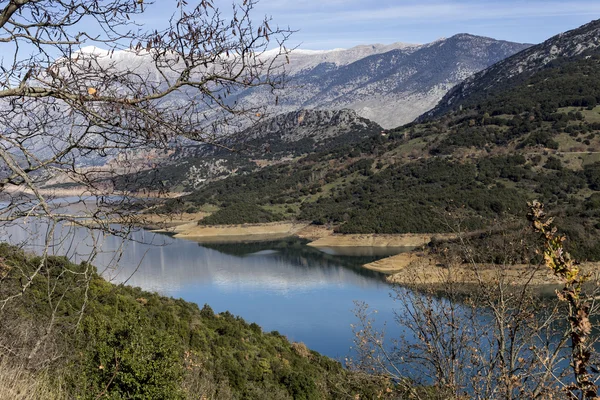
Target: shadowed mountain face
{"x":584,"y":40}
{"x":390,"y":85}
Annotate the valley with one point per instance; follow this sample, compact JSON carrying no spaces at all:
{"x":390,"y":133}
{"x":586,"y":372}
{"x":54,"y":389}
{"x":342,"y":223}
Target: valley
{"x":397,"y":221}
{"x":470,"y":171}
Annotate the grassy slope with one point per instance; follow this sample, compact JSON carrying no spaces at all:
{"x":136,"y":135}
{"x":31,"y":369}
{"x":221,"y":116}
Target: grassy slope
{"x":139,"y":345}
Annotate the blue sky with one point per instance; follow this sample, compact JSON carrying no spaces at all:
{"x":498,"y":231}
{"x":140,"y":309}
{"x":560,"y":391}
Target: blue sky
{"x":326,"y":24}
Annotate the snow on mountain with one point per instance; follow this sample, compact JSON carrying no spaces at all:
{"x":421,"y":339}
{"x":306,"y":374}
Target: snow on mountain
{"x":390,"y":84}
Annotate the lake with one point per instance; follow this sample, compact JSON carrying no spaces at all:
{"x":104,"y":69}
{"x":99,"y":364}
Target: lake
{"x":304,"y":293}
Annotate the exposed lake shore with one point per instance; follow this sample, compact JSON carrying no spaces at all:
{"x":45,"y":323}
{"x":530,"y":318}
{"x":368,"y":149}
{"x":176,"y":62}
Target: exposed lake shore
{"x":185,"y":226}
{"x":414,"y":267}
{"x":418,"y":268}
{"x":235,"y":233}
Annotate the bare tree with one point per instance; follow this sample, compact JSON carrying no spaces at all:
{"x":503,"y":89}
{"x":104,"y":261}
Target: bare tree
{"x":484,"y":331}
{"x":85,"y":85}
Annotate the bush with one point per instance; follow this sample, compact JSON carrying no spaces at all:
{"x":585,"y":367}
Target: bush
{"x":240,"y":213}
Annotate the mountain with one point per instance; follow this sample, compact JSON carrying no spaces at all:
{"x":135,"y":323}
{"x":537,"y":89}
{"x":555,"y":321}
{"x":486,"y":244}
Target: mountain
{"x":583,"y":40}
{"x":535,"y":136}
{"x":303,"y":60}
{"x":278,"y":139}
{"x":390,"y":85}
{"x":304,"y":131}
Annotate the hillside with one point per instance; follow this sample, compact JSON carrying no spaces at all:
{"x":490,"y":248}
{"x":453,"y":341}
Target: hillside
{"x":513,"y":70}
{"x":473,"y":170}
{"x":388,"y":84}
{"x":281,"y":138}
{"x":138,"y":345}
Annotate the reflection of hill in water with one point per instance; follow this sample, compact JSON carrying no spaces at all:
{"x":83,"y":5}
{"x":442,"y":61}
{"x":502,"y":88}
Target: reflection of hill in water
{"x":275,"y":267}
{"x":296,"y":252}
{"x":157,"y":262}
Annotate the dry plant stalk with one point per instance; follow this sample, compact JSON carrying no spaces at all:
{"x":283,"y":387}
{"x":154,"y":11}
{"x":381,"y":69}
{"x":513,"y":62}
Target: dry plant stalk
{"x":565,"y":268}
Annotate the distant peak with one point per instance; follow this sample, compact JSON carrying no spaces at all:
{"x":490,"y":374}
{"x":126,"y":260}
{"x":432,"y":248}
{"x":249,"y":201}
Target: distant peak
{"x":93,"y":50}
{"x":372,"y":46}
{"x":469,"y":36}
{"x":312,"y":52}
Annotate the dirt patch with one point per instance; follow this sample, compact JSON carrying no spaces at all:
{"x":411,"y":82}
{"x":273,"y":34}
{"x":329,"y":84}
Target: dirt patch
{"x":379,"y":240}
{"x":423,"y":269}
{"x":398,"y":262}
{"x":237,"y":233}
{"x":314,"y":232}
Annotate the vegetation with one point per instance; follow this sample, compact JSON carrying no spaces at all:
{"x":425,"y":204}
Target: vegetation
{"x":579,"y":305}
{"x":114,"y":341}
{"x":491,"y":336}
{"x":240,"y":213}
{"x":536,"y":137}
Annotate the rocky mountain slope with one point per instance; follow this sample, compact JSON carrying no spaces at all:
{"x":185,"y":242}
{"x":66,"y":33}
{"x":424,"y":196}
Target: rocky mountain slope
{"x":300,"y":132}
{"x":275,"y":140}
{"x":585,"y":39}
{"x":390,"y":85}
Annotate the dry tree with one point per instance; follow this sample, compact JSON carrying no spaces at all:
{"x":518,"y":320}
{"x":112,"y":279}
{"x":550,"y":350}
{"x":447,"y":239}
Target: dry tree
{"x":85,"y":85}
{"x":479,"y":329}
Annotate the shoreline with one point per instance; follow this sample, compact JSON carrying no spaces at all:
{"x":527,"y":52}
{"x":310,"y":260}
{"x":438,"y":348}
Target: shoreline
{"x":234,"y":233}
{"x":420,"y":269}
{"x":415,"y":267}
{"x":379,"y":239}
{"x":83,"y":192}
{"x":185,"y":226}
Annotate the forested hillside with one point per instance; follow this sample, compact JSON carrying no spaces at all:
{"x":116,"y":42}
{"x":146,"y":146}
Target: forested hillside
{"x":513,"y":70}
{"x":139,"y":345}
{"x":532,"y":138}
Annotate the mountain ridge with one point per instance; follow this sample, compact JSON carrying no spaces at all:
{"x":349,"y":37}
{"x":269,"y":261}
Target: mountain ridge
{"x":565,"y":45}
{"x":478,"y":168}
{"x":390,"y":85}
{"x":275,"y":140}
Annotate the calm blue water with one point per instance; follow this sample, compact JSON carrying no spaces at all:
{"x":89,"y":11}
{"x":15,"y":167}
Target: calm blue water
{"x":303,"y":293}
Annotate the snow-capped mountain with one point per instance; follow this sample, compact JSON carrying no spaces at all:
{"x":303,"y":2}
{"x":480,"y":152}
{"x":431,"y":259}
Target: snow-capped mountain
{"x":389,"y":84}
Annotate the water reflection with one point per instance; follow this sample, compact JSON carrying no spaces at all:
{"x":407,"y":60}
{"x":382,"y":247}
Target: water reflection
{"x":282,"y":285}
{"x":296,"y":252}
{"x":366,"y":251}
